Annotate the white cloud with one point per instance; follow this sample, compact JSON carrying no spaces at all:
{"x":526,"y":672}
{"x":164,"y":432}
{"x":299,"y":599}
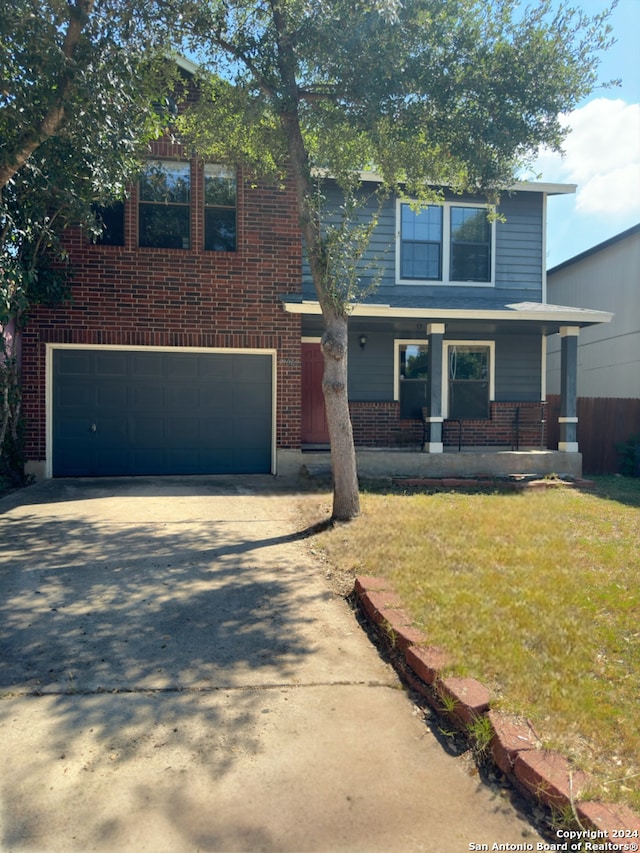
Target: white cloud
{"x":602,"y":156}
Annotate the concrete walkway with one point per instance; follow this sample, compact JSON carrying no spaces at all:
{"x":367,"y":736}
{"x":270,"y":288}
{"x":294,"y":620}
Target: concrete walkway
{"x":175,"y":675}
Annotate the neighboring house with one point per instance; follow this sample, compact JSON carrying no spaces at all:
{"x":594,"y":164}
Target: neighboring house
{"x":607,"y":278}
{"x":191,"y":344}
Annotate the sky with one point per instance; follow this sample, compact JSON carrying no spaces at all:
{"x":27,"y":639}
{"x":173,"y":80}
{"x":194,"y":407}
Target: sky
{"x":602,"y":152}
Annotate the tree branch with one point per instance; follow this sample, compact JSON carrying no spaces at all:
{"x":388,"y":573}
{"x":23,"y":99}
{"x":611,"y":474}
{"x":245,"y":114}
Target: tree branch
{"x":55,"y":115}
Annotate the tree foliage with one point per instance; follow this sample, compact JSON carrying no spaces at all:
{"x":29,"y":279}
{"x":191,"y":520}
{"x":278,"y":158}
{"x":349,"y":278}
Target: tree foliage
{"x":79,"y":84}
{"x":428,"y":93}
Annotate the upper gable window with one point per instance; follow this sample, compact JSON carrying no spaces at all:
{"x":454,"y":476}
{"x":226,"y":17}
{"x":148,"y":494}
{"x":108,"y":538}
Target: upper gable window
{"x":164,"y":208}
{"x":220,"y":191}
{"x":445,"y":244}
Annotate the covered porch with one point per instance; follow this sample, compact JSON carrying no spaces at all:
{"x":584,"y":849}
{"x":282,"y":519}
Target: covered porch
{"x":454,"y":390}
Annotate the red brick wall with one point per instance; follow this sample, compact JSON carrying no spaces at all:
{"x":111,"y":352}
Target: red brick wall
{"x":125,"y":295}
{"x":379,"y":425}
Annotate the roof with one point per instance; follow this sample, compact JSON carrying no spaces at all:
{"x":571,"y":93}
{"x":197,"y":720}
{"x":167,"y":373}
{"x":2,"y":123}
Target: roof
{"x":517,"y":186}
{"x":595,"y":249}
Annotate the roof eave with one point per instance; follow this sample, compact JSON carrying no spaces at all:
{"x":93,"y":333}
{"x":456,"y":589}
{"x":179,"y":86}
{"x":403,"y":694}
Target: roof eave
{"x":518,"y":186}
{"x":564,"y":316}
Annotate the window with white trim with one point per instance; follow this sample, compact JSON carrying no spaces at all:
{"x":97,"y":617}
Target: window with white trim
{"x":469,"y":380}
{"x":412,"y":377}
{"x":452,"y":243}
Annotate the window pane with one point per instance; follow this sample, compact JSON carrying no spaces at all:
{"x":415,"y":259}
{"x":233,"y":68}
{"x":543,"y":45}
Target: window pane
{"x":219,"y":229}
{"x":167,"y":183}
{"x":413,"y":361}
{"x":469,"y":382}
{"x":420,"y":260}
{"x":165,"y":226}
{"x":414,"y":384}
{"x":219,"y":186}
{"x":112,"y":219}
{"x":470,"y":244}
{"x":220,"y":208}
{"x":470,"y":224}
{"x":424,"y":225}
{"x":468,"y":400}
{"x":421,"y":242}
{"x":470,"y":263}
{"x":468,"y":362}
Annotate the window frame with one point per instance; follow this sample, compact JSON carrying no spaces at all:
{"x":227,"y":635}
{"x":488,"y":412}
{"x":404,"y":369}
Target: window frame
{"x":445,"y":248}
{"x":167,"y":164}
{"x":491,"y":345}
{"x":226,"y":172}
{"x":398,"y":343}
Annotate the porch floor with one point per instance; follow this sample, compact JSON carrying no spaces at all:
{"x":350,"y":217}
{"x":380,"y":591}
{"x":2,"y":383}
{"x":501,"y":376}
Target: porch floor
{"x":468,"y":462}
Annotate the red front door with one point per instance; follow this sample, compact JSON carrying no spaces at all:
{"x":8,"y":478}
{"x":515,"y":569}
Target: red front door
{"x":314,"y":419}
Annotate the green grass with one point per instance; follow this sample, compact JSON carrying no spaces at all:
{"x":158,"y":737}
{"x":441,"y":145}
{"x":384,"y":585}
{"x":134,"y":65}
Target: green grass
{"x":535,"y":594}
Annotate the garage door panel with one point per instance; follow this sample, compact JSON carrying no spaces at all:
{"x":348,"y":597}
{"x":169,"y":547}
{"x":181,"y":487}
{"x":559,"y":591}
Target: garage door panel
{"x":181,"y":365}
{"x":181,"y":396}
{"x":161,"y":413}
{"x":181,"y":432}
{"x":111,"y":363}
{"x":217,"y":432}
{"x":250,"y":407}
{"x":252,"y":370}
{"x":77,"y":397}
{"x":147,"y":432}
{"x":75,"y":363}
{"x":111,"y":395}
{"x":147,"y":396}
{"x":214,"y":398}
{"x":217,"y":369}
{"x":145,"y":364}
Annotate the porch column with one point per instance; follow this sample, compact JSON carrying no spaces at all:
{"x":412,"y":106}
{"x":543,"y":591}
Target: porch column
{"x":435,"y":335}
{"x":568,"y":420}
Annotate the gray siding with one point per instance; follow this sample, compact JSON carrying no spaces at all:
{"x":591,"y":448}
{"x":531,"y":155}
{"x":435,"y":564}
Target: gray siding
{"x":518,"y":262}
{"x":517,"y":370}
{"x":518,"y":367}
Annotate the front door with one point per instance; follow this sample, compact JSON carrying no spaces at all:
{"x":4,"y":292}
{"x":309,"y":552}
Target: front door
{"x":314,"y":420}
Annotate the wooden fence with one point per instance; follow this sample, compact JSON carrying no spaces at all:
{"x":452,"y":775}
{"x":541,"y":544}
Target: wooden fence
{"x":602,"y":421}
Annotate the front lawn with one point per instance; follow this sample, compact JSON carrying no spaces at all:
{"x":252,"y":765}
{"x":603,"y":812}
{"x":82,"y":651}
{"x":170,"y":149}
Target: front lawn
{"x":535,"y":594}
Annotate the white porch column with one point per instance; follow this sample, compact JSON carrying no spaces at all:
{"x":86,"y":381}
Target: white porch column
{"x":568,"y":420}
{"x":435,"y":335}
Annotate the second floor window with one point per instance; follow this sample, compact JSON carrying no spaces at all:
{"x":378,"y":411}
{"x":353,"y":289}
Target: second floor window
{"x":470,"y":244}
{"x":165,"y":206}
{"x":219,"y":208}
{"x":449,"y":243}
{"x":111,"y":219}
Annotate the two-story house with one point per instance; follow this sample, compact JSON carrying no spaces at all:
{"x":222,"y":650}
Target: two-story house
{"x":191,"y":344}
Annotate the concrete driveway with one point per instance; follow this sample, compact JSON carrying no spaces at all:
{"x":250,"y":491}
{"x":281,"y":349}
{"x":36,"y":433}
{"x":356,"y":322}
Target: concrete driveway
{"x":176,"y":675}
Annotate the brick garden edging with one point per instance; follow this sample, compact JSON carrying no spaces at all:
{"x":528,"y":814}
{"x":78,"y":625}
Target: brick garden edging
{"x":540,"y":774}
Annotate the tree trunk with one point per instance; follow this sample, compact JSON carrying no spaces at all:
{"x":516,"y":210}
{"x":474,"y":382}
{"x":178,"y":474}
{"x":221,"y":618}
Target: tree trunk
{"x":346,"y":499}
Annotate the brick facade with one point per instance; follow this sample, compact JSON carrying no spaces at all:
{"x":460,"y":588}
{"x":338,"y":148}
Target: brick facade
{"x":131,"y":296}
{"x":379,"y":425}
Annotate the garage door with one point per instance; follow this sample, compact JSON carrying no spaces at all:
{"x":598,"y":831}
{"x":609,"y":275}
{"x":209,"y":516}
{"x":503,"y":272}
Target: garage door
{"x":134,"y":412}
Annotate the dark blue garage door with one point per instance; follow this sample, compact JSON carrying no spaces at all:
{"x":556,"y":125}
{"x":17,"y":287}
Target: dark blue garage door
{"x":135,"y":412}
